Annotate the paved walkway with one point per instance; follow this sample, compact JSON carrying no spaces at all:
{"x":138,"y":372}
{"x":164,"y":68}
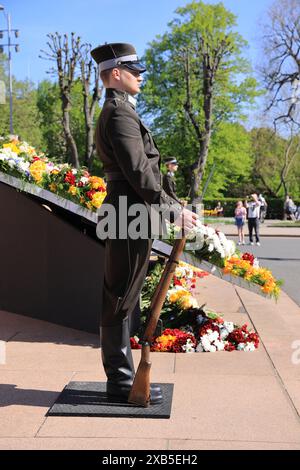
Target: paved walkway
{"x":265,"y":229}
{"x":223,"y":400}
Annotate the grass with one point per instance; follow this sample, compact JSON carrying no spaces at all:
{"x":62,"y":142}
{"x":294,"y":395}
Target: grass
{"x":291,"y":223}
{"x":218,"y":220}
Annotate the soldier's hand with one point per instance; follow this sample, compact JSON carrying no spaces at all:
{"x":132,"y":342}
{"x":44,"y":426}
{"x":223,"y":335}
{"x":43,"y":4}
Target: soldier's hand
{"x":187,"y":220}
{"x":183,"y":202}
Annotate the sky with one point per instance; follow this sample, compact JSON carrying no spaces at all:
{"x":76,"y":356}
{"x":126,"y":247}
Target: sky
{"x":100,"y":21}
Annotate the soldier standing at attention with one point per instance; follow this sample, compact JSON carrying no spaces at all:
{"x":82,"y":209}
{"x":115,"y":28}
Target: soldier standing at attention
{"x":131,"y":164}
{"x":169,"y":183}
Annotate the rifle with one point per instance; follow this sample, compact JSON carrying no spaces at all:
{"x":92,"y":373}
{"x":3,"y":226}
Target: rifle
{"x":140,"y":390}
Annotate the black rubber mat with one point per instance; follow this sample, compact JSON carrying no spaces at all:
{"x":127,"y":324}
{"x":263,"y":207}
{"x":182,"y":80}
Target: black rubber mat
{"x":89,"y":399}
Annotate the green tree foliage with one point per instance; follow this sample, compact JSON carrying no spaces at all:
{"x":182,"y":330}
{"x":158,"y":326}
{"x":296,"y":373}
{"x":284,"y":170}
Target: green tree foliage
{"x":269,"y":151}
{"x":200,"y":46}
{"x":49,"y":107}
{"x":230,"y":152}
{"x":25,"y":111}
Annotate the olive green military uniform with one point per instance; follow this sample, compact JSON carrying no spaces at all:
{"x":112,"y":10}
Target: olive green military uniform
{"x":169,"y":185}
{"x":131,"y":163}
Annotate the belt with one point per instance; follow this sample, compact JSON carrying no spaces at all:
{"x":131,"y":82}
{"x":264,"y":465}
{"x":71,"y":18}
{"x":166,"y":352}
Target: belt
{"x":115,"y":176}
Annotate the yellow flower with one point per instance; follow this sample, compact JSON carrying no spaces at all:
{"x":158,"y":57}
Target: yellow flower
{"x":165,"y":341}
{"x":97,"y":199}
{"x":54,"y":172}
{"x":96,"y":182}
{"x":176,"y":294}
{"x":37,"y":169}
{"x":53,"y":187}
{"x":89,"y":205}
{"x":13,"y":147}
{"x":187,"y":301}
{"x":72,"y":190}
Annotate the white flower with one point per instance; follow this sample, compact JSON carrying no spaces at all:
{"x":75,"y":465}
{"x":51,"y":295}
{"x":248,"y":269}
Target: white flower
{"x":84,"y":180}
{"x":199,"y":348}
{"x":213,"y":336}
{"x":229,"y":325}
{"x":219,"y":345}
{"x":249,"y":347}
{"x":24,"y":166}
{"x":188,"y":347}
{"x":194,"y":303}
{"x":9,"y":153}
{"x":12,"y":163}
{"x":256,"y":263}
{"x":205,"y":343}
{"x":74,"y":171}
{"x":241,"y":346}
{"x":224,"y":333}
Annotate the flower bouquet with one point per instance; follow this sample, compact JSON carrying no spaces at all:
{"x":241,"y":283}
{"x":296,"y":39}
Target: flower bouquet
{"x":247,"y":267}
{"x":18,"y":158}
{"x":186,"y":327}
{"x":212,"y":246}
{"x":207,"y":332}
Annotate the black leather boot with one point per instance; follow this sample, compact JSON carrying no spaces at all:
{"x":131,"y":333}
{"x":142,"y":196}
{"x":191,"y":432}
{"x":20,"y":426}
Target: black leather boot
{"x":118,"y":363}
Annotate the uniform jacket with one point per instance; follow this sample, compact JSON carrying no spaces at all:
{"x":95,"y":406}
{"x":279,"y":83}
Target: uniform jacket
{"x":129,"y":154}
{"x":169,"y":185}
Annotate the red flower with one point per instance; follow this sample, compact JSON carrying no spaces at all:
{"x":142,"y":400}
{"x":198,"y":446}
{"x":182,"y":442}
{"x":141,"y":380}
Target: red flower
{"x":248,"y":257}
{"x":90,"y":193}
{"x":208,"y":326}
{"x":70,"y":178}
{"x":176,"y":344}
{"x":230,"y":347}
{"x":237,"y":336}
{"x":35,"y":158}
{"x":134,"y":344}
{"x":253,"y":338}
{"x":202,"y":274}
{"x":80,"y":184}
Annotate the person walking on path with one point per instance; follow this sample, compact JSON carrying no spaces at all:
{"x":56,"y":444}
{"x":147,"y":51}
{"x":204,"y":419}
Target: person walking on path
{"x":253,"y":206}
{"x":131,"y":163}
{"x":263,"y":208}
{"x":240,"y":214}
{"x":289,"y":208}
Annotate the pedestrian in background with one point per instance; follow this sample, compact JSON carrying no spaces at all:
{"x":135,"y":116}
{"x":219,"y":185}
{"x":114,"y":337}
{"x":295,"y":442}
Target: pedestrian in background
{"x":253,"y":206}
{"x":263,"y":208}
{"x":289,"y":208}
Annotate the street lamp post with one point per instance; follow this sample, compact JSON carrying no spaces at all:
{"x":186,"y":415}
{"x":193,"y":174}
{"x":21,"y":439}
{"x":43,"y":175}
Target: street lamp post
{"x":9,"y":45}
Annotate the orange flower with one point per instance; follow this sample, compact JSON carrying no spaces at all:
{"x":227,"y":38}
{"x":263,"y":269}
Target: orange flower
{"x":72,"y":190}
{"x":97,"y":182}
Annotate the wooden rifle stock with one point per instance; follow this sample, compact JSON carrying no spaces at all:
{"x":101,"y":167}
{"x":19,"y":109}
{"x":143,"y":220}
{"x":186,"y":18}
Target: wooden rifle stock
{"x":140,"y":390}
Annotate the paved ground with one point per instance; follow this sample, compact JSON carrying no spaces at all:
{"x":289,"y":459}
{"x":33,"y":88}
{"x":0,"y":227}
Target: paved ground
{"x":223,"y":400}
{"x":268,"y":229}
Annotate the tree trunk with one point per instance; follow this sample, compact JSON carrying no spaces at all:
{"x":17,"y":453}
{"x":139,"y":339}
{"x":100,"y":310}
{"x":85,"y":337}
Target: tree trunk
{"x":71,"y":144}
{"x":205,"y":138}
{"x":89,"y":109}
